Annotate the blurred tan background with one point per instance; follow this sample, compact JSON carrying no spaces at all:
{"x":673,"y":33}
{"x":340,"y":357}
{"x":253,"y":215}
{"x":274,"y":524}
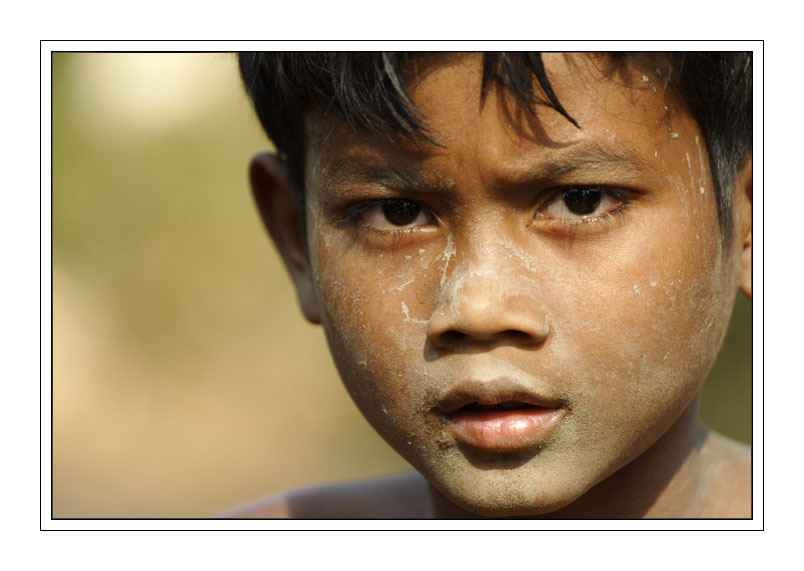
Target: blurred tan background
{"x":185,"y":379}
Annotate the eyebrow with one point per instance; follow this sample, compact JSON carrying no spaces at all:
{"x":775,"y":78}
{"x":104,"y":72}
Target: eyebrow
{"x":591,"y":156}
{"x":396,"y":178}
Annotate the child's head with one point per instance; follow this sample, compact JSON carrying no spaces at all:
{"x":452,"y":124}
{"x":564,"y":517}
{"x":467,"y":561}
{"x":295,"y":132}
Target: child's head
{"x":524,"y":266}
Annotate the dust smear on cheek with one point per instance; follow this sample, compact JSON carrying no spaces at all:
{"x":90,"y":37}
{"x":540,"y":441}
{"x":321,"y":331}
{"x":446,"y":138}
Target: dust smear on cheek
{"x":408,"y":318}
{"x":701,"y":166}
{"x":402,"y":286}
{"x":447,"y":255}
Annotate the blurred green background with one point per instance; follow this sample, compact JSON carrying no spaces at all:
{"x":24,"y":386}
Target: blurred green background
{"x":184,"y":378}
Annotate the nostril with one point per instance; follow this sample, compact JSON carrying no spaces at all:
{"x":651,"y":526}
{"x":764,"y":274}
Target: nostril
{"x":476,"y":317}
{"x":452,"y":336}
{"x":516,"y":335}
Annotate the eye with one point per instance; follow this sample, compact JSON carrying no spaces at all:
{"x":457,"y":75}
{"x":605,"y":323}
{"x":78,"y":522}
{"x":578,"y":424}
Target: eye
{"x":395,"y":214}
{"x":581,"y":203}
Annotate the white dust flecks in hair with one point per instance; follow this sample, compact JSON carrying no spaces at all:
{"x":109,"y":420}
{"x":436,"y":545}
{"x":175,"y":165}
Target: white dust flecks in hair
{"x":653,"y":281}
{"x":636,"y":289}
{"x":447,"y":255}
{"x":645,"y":79}
{"x":674,"y":135}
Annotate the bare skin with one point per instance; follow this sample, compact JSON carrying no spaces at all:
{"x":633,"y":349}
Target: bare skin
{"x":526,"y":314}
{"x":712,"y":480}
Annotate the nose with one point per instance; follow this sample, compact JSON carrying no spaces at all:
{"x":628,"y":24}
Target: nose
{"x":487,"y":308}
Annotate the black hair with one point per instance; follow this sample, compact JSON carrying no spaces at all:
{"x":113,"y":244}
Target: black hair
{"x":366,"y":89}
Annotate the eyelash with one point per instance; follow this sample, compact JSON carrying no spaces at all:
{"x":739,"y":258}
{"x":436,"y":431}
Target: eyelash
{"x":374,"y":237}
{"x":598,"y":224}
{"x":560,"y":227}
{"x":381,"y":239}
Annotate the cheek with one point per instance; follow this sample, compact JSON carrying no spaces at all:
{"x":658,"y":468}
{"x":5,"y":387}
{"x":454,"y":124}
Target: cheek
{"x":635,"y":336}
{"x":374,"y":317}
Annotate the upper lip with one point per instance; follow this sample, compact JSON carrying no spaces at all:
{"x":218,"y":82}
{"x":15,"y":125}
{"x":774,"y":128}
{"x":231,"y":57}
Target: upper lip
{"x":492,"y":392}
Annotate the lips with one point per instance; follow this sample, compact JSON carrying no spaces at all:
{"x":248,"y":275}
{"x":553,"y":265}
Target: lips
{"x":500,"y":416}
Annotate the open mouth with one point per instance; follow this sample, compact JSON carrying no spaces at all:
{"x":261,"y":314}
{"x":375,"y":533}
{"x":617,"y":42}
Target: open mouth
{"x":506,"y":416}
{"x":500,"y":414}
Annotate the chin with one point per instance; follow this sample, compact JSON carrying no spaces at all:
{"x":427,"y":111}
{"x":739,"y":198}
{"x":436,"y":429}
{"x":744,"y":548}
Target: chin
{"x":509,"y":492}
{"x":510,"y":503}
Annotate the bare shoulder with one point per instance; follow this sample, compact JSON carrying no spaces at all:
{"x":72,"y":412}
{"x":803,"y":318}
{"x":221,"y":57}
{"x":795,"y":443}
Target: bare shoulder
{"x":729,"y":467}
{"x":272,"y":507}
{"x":402,"y":496}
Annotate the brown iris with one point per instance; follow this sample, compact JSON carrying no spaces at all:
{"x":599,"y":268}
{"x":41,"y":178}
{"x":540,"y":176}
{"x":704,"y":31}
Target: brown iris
{"x":583,"y":202}
{"x":400,"y":212}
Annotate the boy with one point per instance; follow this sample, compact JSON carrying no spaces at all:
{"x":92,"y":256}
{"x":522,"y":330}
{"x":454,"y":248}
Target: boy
{"x":524,"y":265}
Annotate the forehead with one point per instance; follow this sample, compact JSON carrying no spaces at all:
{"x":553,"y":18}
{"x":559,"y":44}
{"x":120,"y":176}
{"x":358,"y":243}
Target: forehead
{"x":626,"y":109}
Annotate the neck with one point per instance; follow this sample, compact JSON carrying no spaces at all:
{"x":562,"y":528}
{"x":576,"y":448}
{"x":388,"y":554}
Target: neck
{"x":665,"y":481}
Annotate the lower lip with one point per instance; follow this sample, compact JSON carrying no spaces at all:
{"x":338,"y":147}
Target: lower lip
{"x":504,"y":430}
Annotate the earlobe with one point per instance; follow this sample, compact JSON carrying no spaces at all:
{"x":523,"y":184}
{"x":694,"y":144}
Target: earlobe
{"x":279,"y":209}
{"x":743,"y":197}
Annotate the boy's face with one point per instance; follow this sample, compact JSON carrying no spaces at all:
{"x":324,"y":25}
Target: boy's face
{"x":574,"y":274}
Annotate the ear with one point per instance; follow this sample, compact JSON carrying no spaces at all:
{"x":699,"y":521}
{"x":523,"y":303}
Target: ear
{"x":743,"y":196}
{"x":279,"y":209}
